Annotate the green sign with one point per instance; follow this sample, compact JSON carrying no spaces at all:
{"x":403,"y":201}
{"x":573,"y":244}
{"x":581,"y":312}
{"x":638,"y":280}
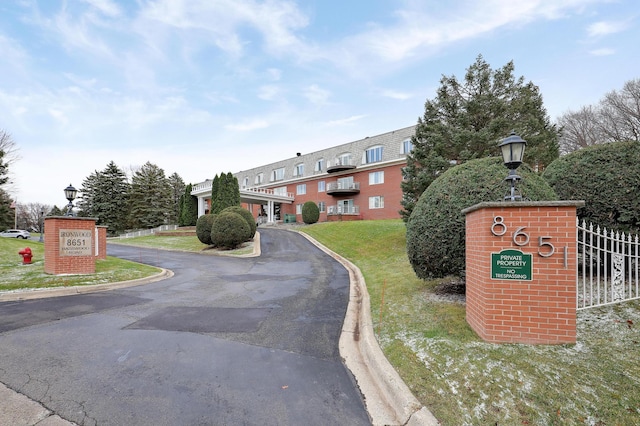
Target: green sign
{"x":511,"y":265}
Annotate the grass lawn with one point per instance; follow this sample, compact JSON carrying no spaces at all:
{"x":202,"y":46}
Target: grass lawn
{"x":465,"y":381}
{"x":182,"y":243}
{"x":14,"y":275}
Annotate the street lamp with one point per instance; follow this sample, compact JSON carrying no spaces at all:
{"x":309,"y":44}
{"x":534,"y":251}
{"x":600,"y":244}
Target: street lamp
{"x":70,"y":193}
{"x":512,"y":148}
{"x":41,"y":239}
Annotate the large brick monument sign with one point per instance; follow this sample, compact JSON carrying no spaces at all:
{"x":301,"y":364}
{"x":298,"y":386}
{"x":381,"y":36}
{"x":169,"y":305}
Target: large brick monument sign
{"x":70,"y":245}
{"x":521,"y":266}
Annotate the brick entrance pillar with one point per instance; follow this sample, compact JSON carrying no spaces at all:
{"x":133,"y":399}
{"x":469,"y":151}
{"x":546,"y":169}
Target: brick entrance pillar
{"x":521,"y":267}
{"x":101,"y":245}
{"x":69,"y":245}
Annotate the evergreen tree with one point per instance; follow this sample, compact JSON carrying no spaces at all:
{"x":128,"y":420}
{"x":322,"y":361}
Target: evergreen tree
{"x":150,"y":197}
{"x":177,"y":189}
{"x":105,"y":196}
{"x":234,"y":190}
{"x":6,"y":213}
{"x":189,"y":208}
{"x":467,"y":120}
{"x":215,"y":189}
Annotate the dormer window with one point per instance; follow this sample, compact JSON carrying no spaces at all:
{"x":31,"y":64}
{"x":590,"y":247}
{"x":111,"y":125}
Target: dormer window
{"x":407,"y":146}
{"x":298,"y":170}
{"x":277,"y":174}
{"x":372,"y":155}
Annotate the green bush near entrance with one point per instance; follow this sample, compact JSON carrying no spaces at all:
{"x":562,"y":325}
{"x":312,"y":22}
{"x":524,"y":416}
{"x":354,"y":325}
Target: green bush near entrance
{"x":607,"y":178}
{"x":229,"y":230}
{"x":246,"y":214}
{"x":436,"y":227}
{"x":310,"y":212}
{"x":203,"y":228}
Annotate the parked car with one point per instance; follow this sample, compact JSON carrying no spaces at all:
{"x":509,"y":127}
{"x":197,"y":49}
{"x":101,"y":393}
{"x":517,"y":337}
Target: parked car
{"x":15,"y":233}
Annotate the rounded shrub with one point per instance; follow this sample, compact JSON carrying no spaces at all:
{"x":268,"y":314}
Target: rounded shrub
{"x":203,"y":228}
{"x":310,"y":212}
{"x":246,"y":214}
{"x":436,"y":227}
{"x":229,"y":230}
{"x":607,"y":178}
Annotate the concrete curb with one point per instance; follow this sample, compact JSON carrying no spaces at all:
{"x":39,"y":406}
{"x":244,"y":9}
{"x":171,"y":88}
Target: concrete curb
{"x":29,"y":294}
{"x":388,"y":399}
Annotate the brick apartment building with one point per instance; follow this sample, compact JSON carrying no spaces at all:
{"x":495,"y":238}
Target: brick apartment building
{"x":358,"y":180}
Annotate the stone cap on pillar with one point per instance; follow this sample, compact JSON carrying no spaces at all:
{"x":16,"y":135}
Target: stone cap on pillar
{"x":491,"y":204}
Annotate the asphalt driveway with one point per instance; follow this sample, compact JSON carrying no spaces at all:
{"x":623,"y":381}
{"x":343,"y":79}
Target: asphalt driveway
{"x":225,"y":341}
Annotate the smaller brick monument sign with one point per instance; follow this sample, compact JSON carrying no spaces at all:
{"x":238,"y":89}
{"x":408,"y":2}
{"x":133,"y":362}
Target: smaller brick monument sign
{"x":69,"y":245}
{"x":521,"y":267}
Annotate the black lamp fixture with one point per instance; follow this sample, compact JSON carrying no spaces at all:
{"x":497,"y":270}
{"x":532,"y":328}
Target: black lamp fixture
{"x":70,"y":193}
{"x":512,"y":148}
{"x":41,"y":239}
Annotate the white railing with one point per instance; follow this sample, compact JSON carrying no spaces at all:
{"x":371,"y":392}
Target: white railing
{"x":608,"y":267}
{"x":145,"y":232}
{"x":346,"y":210}
{"x":268,"y":191}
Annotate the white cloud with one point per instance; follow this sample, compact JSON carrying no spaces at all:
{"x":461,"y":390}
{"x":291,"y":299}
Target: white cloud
{"x":107,"y":7}
{"x":602,"y":52}
{"x":268,"y":92}
{"x":396,"y":95}
{"x":248,"y":125}
{"x":317,"y":95}
{"x":604,"y":28}
{"x":344,"y":121}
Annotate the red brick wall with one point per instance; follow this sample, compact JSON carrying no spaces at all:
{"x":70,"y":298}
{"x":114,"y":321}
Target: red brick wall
{"x":390,"y":190}
{"x":542,"y":310}
{"x":56,"y":264}
{"x":102,"y":242}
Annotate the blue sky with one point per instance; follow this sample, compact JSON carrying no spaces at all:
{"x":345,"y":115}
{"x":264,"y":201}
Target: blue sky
{"x":200,"y":87}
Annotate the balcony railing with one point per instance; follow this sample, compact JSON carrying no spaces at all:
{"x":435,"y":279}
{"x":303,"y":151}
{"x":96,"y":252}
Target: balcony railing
{"x":345,"y":210}
{"x":340,"y":165}
{"x":339,"y":188}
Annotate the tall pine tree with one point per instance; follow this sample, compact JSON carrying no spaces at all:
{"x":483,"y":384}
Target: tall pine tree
{"x":468,"y":119}
{"x":150,"y":197}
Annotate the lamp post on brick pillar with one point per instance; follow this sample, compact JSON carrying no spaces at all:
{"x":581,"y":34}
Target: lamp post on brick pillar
{"x":512,"y":148}
{"x":70,"y":193}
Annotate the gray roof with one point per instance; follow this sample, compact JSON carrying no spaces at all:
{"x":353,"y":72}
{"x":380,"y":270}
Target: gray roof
{"x":391,"y":143}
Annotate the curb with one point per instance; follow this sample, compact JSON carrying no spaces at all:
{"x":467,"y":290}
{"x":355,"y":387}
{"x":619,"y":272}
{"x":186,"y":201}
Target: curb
{"x":29,"y":294}
{"x":388,"y":399}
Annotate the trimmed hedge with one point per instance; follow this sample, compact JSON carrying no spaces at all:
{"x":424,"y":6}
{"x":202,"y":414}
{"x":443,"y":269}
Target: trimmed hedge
{"x":310,"y":212}
{"x":203,"y":228}
{"x":246,"y":214}
{"x":607,"y":178}
{"x":229,"y":230}
{"x":436,"y":227}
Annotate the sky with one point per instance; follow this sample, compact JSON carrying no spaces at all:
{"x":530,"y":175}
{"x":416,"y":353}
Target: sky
{"x":201,"y":87}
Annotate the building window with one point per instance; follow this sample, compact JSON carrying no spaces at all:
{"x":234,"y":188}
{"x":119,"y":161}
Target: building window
{"x":322,"y":206}
{"x":245,"y":182}
{"x":259,"y":178}
{"x":277,"y":174}
{"x":299,"y":170}
{"x":344,"y":159}
{"x":407,"y":146}
{"x":301,"y":189}
{"x":376,"y":178}
{"x":373,"y":155}
{"x":319,"y":165}
{"x":280,"y":191}
{"x":321,"y":186}
{"x":298,"y":208}
{"x":376,"y":202}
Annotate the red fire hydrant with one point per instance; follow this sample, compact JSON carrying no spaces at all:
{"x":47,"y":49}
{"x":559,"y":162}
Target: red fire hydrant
{"x":26,"y":255}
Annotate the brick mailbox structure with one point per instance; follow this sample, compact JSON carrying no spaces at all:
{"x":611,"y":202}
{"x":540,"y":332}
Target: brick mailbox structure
{"x":521,"y":266}
{"x":69,"y":245}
